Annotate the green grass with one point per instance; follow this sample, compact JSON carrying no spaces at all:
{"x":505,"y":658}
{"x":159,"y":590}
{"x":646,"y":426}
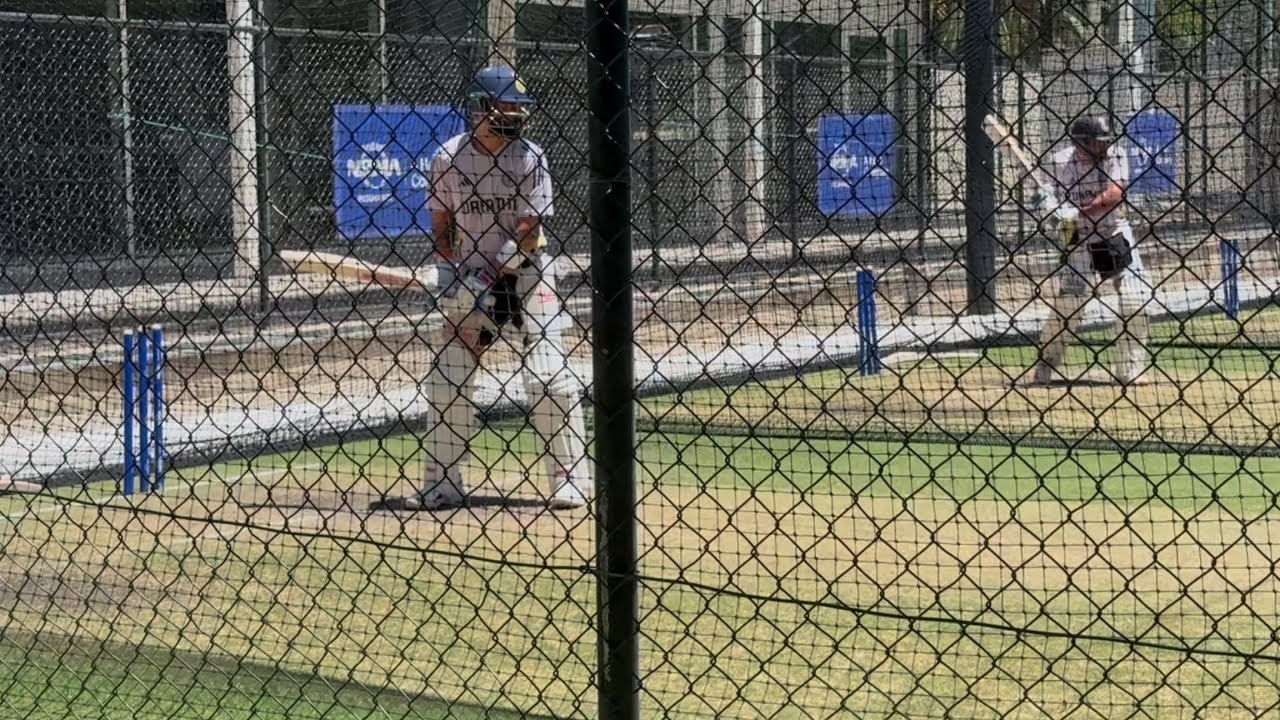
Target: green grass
{"x":54,"y":677}
{"x":281,"y":625}
{"x":1255,"y":326}
{"x":1241,"y":360}
{"x":853,"y":468}
{"x":1223,"y":399}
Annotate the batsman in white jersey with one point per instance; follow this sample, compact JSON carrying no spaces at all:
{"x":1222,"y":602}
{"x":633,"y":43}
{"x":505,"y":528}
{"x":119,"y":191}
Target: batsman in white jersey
{"x":490,"y":193}
{"x":1098,"y":248}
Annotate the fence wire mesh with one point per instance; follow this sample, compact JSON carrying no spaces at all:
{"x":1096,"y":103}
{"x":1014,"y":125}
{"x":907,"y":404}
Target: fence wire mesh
{"x":861,"y":491}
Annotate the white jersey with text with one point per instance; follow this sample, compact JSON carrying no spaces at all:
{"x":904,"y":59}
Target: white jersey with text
{"x":1081,"y":180}
{"x":488,"y":194}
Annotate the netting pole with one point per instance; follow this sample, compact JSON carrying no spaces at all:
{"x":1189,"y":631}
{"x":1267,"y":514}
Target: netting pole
{"x":377,"y":24}
{"x":613,"y":358}
{"x":718,"y":94}
{"x":241,"y":101}
{"x":901,"y":112}
{"x":755,"y":166}
{"x":1144,"y":13}
{"x":502,"y":31}
{"x":1207,"y":161}
{"x":980,"y":180}
{"x":789,"y":106}
{"x":1186,"y":152}
{"x":652,"y":125}
{"x":925,"y":79}
{"x":267,"y":52}
{"x":1269,"y":66}
{"x":122,"y":125}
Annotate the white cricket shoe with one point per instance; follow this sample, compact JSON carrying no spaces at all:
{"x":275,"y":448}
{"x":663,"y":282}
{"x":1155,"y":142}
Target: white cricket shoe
{"x":440,"y":496}
{"x":567,"y":496}
{"x":566,"y":502}
{"x":1139,"y":380}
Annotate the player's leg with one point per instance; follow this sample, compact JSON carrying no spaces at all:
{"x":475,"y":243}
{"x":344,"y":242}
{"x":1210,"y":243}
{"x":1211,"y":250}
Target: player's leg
{"x":552,"y":387}
{"x":557,"y":415}
{"x":450,"y":387}
{"x":1069,"y":288}
{"x":1132,"y":355}
{"x":469,"y":329}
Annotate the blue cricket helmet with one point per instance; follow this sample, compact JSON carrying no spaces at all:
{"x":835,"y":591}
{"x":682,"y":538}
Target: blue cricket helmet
{"x":499,"y":84}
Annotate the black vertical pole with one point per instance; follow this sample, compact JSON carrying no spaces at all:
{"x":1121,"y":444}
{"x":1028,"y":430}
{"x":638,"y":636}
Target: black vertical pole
{"x":652,"y":127}
{"x":901,"y":78}
{"x":122,"y":126}
{"x":1186,"y":152}
{"x":376,"y":26}
{"x":609,"y":216}
{"x":980,"y":181}
{"x":925,"y":79}
{"x":267,"y":51}
{"x":790,"y":106}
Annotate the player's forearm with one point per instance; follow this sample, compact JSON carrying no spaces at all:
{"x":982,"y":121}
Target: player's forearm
{"x":528,"y":232}
{"x":1105,"y":201}
{"x":445,"y":232}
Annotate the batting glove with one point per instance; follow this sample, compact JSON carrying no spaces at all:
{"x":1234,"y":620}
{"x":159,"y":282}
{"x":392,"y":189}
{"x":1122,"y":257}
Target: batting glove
{"x":469,"y":291}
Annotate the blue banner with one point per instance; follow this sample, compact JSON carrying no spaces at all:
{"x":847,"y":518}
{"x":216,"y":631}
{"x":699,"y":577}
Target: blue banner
{"x":1153,"y":152}
{"x":381,"y":158}
{"x":856,"y":164}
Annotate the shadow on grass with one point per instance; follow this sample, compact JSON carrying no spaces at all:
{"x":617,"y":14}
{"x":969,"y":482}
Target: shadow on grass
{"x":55,"y":676}
{"x":397,"y":504}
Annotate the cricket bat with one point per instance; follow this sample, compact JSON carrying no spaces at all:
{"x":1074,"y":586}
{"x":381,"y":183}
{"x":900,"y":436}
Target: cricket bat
{"x":1009,"y":146}
{"x":340,"y":267}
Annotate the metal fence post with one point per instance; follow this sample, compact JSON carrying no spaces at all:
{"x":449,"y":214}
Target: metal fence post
{"x":266,"y":62}
{"x":980,"y":187}
{"x":902,"y":76}
{"x":613,"y":388}
{"x":122,"y":126}
{"x":376,"y":19}
{"x":757,"y":156}
{"x":242,"y":127}
{"x":924,"y":139}
{"x":1186,"y":152}
{"x":652,"y":126}
{"x":792,"y":135}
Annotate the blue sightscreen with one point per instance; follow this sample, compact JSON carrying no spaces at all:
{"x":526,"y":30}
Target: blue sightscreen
{"x":381,"y":155}
{"x":1153,"y":152}
{"x":856,"y":164}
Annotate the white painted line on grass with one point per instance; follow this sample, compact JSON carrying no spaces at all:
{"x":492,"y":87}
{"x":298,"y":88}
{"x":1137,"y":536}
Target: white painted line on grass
{"x":270,"y":474}
{"x":18,"y":516}
{"x":278,"y":472}
{"x":178,"y":543}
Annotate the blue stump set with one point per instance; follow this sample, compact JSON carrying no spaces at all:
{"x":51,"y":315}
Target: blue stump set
{"x":868,"y":335}
{"x":144,"y":410}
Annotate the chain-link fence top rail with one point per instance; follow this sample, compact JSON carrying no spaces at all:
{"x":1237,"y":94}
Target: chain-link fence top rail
{"x":853,"y":501}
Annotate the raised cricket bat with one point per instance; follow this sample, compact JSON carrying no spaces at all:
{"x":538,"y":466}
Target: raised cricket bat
{"x":341,"y":267}
{"x":1009,"y":146}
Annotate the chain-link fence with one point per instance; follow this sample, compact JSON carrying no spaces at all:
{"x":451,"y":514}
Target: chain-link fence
{"x":897,"y":451}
